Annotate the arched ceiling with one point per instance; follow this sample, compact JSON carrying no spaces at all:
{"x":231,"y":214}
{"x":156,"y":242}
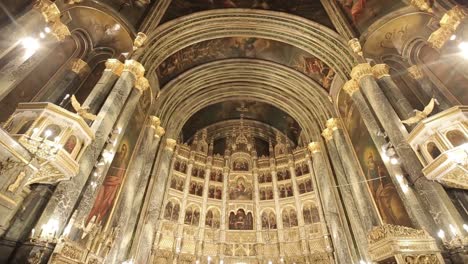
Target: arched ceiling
{"x":312,"y":10}
{"x":245,"y":47}
{"x":250,"y":110}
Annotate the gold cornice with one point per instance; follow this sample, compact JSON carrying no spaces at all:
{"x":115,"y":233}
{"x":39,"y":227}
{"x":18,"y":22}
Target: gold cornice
{"x":314,"y":147}
{"x":142,"y":84}
{"x":381,"y":70}
{"x":135,"y":68}
{"x":327,"y":133}
{"x":351,"y":86}
{"x":415,"y":72}
{"x":115,"y":66}
{"x":361,"y":70}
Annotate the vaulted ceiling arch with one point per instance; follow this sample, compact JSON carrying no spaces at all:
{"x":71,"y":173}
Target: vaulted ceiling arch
{"x":318,"y":40}
{"x":244,"y":79}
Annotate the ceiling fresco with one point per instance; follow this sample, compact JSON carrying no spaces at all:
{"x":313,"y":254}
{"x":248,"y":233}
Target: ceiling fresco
{"x":251,"y":110}
{"x":362,"y":13}
{"x":244,"y":47}
{"x":312,"y":10}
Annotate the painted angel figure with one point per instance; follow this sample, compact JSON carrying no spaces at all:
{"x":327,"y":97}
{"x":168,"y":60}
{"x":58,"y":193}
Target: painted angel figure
{"x":354,"y":7}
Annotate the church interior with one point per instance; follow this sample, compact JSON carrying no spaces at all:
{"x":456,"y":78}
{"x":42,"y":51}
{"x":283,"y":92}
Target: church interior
{"x":234,"y":131}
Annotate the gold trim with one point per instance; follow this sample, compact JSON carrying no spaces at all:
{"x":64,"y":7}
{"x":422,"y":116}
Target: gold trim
{"x":115,"y":66}
{"x":360,"y":71}
{"x":381,"y":70}
{"x":314,"y":147}
{"x":135,"y":68}
{"x":142,"y":84}
{"x":327,"y":133}
{"x":351,"y":86}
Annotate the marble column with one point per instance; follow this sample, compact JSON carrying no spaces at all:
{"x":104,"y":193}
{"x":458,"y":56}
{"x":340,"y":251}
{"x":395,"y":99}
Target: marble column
{"x":357,"y":221}
{"x":319,"y":202}
{"x":344,"y":251}
{"x":144,"y":155}
{"x":427,"y":88}
{"x":362,"y":196}
{"x":65,"y":83}
{"x":413,"y":206}
{"x":67,"y":193}
{"x":433,"y":195}
{"x":401,"y":105}
{"x":143,"y":246}
{"x":136,"y":208}
{"x":103,"y":87}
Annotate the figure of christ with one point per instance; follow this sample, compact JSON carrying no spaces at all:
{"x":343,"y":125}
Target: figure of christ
{"x":110,"y":187}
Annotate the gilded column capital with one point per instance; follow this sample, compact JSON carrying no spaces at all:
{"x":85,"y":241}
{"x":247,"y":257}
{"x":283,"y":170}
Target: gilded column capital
{"x":159,"y":132}
{"x":48,"y":9}
{"x":351,"y":86}
{"x":355,"y":45}
{"x":170,"y":144}
{"x":439,"y":37}
{"x":314,"y":147}
{"x":79,"y":67}
{"x":423,"y":5}
{"x":327,"y":133}
{"x":142,"y":84}
{"x":154,"y":122}
{"x":139,"y":40}
{"x":361,"y":70}
{"x":381,"y":70}
{"x":115,"y":66}
{"x":415,"y":72}
{"x":60,"y":30}
{"x":135,"y":68}
{"x":333,"y":124}
{"x":453,"y":17}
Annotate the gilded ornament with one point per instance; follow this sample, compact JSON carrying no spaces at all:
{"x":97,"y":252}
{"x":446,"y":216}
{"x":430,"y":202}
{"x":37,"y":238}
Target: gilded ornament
{"x":48,"y":9}
{"x":159,"y":132}
{"x":351,"y":86}
{"x":439,"y":37}
{"x":423,"y":5}
{"x":415,"y":72}
{"x":139,"y":40}
{"x":155,"y":121}
{"x":142,"y":84}
{"x":453,"y":18}
{"x":361,"y":70}
{"x":327,"y":133}
{"x":314,"y":147}
{"x":355,"y":46}
{"x":79,"y":67}
{"x":333,"y":124}
{"x":135,"y":68}
{"x":394,"y":231}
{"x":170,"y":144}
{"x":60,"y":30}
{"x":115,"y":66}
{"x":381,"y":70}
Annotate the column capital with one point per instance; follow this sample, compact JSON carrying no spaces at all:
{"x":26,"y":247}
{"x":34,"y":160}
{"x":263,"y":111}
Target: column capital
{"x":170,"y":144}
{"x":415,"y":72}
{"x":142,"y":84}
{"x":135,"y":68}
{"x":333,"y":123}
{"x":381,"y":70}
{"x":154,"y":122}
{"x":351,"y":86}
{"x":423,"y":5}
{"x":139,"y":40}
{"x":355,"y":45}
{"x":327,"y":133}
{"x":159,"y":132}
{"x":361,"y":70}
{"x":314,"y":147}
{"x":79,"y":67}
{"x":453,"y":17}
{"x":48,"y":9}
{"x":115,"y":66}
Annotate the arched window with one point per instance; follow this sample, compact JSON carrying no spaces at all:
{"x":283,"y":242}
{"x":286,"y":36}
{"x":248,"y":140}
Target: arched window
{"x":433,"y":150}
{"x":171,"y":211}
{"x":456,"y":137}
{"x":268,"y":220}
{"x":192,"y":216}
{"x":311,"y":214}
{"x":212,"y":219}
{"x":289,"y":217}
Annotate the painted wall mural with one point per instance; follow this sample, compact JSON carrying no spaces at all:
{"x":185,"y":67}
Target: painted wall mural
{"x":245,"y":47}
{"x":362,"y":13}
{"x":240,"y":220}
{"x":240,"y":190}
{"x":381,"y":186}
{"x":312,"y":10}
{"x":111,"y":186}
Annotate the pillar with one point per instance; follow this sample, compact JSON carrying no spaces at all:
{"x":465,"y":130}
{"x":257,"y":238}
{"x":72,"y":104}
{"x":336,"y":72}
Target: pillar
{"x":203,"y":211}
{"x":144,"y":240}
{"x":67,"y":192}
{"x":343,"y":250}
{"x":401,"y":105}
{"x":434,"y":197}
{"x":279,"y":218}
{"x":298,"y":204}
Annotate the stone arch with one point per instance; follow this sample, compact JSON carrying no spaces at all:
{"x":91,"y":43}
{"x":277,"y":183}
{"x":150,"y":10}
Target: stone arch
{"x":307,"y":35}
{"x":263,"y":81}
